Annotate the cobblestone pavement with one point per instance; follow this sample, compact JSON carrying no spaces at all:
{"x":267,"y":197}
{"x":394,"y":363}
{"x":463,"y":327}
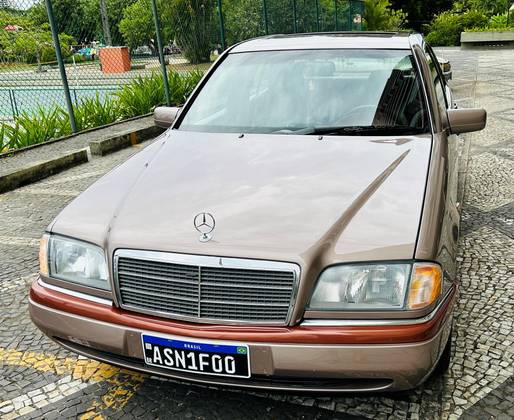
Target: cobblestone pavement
{"x":38,"y":379}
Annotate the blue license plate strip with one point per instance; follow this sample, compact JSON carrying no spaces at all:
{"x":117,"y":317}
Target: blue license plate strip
{"x":199,"y":357}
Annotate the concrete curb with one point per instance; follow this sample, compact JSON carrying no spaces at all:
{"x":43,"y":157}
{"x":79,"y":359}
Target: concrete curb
{"x":108,"y":145}
{"x":40,"y":170}
{"x":35,"y":171}
{"x":473,"y":39}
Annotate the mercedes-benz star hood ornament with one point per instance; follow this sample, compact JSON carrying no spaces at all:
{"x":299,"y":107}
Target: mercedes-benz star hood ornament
{"x":204,"y":223}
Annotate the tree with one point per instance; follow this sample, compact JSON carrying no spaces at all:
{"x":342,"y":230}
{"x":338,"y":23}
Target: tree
{"x":32,"y":43}
{"x":378,"y":16}
{"x":115,"y":9}
{"x":192,"y":21}
{"x":137,"y":27}
{"x":243,"y":20}
{"x":82,"y":18}
{"x":106,"y":30}
{"x":421,"y":12}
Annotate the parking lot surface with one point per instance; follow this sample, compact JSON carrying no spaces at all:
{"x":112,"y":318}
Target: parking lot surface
{"x":38,"y":379}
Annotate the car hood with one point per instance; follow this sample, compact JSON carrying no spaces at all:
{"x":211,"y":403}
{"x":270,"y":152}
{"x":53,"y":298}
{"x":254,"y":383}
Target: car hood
{"x":279,"y":197}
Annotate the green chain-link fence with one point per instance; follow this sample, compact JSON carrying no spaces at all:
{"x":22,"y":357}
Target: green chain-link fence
{"x":121,"y":58}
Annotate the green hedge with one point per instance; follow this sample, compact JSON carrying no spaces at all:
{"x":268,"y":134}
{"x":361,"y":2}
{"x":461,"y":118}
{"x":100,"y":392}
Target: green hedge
{"x":446,"y":28}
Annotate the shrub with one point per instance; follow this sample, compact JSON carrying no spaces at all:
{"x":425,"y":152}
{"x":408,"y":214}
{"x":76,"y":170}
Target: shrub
{"x":378,"y":16}
{"x":4,"y":147}
{"x":29,"y":129}
{"x":490,"y":7}
{"x":95,"y":112}
{"x":143,"y":94}
{"x":181,"y":85}
{"x":446,"y":28}
{"x":499,"y":22}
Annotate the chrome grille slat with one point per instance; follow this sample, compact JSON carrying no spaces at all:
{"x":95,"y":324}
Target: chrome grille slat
{"x":159,"y":278}
{"x":173,"y":307}
{"x":158,"y":271}
{"x":144,"y":282}
{"x":240,"y":303}
{"x":195,"y":288}
{"x":166,"y":301}
{"x":153,"y":294}
{"x":247,"y":287}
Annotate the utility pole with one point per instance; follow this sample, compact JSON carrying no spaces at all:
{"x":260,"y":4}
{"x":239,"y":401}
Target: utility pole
{"x":157,"y":23}
{"x":335,"y":14}
{"x":60,"y":62}
{"x":222,"y":26}
{"x":105,"y":23}
{"x":265,"y":11}
{"x":295,"y":17}
{"x":318,"y":28}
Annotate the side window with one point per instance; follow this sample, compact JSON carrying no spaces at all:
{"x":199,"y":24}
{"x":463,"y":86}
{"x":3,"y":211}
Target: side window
{"x":437,"y":77}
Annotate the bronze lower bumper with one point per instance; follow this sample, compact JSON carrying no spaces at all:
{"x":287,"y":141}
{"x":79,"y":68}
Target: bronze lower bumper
{"x":294,"y":367}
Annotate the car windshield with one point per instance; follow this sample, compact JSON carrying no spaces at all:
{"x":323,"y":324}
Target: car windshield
{"x":344,"y":91}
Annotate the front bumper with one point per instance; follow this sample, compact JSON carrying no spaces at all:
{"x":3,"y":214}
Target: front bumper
{"x":325,"y":367}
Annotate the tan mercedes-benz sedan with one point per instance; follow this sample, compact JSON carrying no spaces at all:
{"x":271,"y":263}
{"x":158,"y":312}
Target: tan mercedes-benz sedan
{"x":294,"y":229}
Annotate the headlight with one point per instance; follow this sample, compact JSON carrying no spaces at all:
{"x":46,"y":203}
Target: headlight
{"x":377,"y":287}
{"x":74,"y":261}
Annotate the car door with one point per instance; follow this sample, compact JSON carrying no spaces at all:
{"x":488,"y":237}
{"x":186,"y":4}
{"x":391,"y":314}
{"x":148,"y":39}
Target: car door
{"x":445,"y":101}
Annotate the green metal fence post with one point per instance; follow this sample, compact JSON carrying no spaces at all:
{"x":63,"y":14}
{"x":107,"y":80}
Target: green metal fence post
{"x":317,"y":16}
{"x":60,"y":62}
{"x":265,"y":9}
{"x":222,"y":26}
{"x":295,"y":17}
{"x":161,"y":52}
{"x":335,"y":14}
{"x":350,"y":23}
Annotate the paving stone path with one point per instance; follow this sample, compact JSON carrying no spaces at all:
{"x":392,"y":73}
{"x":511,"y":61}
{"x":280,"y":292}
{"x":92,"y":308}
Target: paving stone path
{"x":38,"y":379}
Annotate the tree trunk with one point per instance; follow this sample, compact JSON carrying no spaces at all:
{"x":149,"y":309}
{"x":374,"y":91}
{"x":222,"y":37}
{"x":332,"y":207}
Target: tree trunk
{"x":105,"y":23}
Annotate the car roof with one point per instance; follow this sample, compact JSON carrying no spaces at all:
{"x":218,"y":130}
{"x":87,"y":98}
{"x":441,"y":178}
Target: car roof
{"x":330,"y":40}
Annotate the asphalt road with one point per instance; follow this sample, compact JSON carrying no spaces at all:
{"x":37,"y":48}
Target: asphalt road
{"x":38,"y":379}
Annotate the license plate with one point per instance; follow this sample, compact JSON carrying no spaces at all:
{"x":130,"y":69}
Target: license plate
{"x":197,"y":357}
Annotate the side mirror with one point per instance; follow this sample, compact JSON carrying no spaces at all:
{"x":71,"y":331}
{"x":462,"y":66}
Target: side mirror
{"x":446,"y":67}
{"x":466,"y":120}
{"x":164,"y":116}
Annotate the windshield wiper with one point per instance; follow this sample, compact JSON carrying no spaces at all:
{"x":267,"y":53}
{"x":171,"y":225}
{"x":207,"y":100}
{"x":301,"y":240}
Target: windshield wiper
{"x":356,"y":130}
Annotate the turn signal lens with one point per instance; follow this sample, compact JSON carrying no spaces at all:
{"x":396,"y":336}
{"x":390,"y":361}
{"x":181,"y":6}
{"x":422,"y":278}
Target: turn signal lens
{"x":43,"y":255}
{"x":425,"y":286}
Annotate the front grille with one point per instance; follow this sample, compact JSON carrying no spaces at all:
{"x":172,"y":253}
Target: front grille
{"x":204,"y":292}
